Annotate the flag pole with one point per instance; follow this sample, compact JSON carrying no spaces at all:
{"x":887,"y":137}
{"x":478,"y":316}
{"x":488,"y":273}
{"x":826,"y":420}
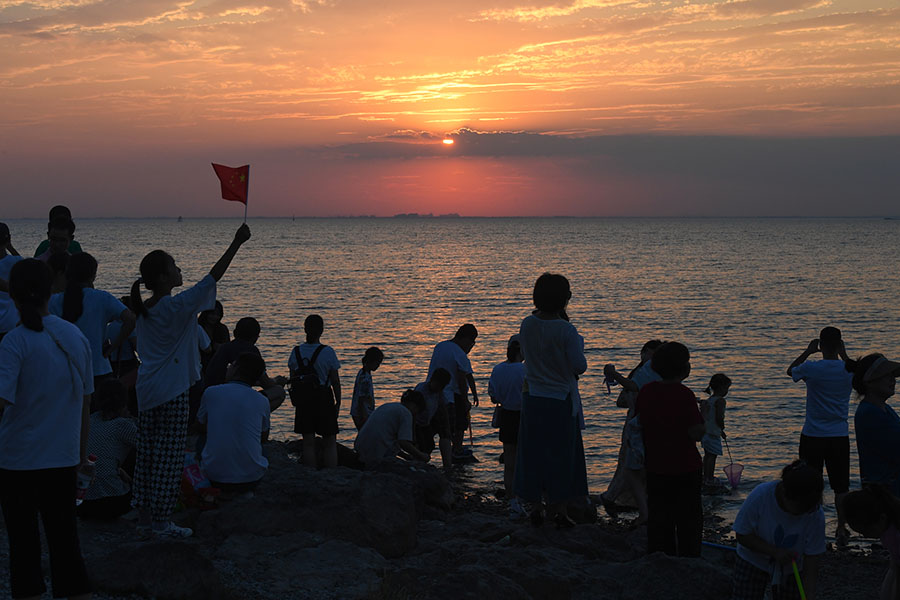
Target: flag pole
{"x":247,"y":198}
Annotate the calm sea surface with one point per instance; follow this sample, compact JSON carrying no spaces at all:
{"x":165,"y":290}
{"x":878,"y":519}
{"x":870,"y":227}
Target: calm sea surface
{"x":745,"y":295}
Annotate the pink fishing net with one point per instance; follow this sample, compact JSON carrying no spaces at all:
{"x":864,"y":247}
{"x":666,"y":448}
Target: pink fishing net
{"x":733,"y":473}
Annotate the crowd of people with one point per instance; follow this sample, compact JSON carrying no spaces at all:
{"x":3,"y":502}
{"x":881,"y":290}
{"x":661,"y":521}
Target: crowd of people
{"x":107,"y":394}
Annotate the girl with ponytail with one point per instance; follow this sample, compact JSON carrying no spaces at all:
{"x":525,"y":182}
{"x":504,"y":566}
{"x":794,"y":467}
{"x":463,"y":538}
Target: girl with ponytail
{"x":170,"y":365}
{"x":91,"y":310}
{"x":45,"y":386}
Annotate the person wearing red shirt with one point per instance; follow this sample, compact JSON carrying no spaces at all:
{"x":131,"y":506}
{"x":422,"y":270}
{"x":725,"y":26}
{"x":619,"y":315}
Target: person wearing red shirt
{"x":672,"y":426}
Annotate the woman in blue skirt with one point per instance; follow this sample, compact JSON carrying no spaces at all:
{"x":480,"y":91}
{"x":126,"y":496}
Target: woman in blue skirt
{"x":550,"y":460}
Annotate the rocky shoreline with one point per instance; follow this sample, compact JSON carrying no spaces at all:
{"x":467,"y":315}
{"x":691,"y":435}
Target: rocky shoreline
{"x":404,"y":533}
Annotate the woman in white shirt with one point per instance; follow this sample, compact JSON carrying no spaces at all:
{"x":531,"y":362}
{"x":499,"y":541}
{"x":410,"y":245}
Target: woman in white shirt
{"x":170,"y":364}
{"x":45,"y":370}
{"x":550,"y":460}
{"x":91,"y":310}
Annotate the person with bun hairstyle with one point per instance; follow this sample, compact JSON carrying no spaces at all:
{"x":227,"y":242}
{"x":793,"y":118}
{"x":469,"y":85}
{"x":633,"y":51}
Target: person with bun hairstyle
{"x":877,"y":424}
{"x":875,"y":513}
{"x":780,"y":522}
{"x":170,"y":365}
{"x":46,"y":381}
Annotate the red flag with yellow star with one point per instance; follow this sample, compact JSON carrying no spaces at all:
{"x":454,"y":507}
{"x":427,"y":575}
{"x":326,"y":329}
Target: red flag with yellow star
{"x":235,"y":182}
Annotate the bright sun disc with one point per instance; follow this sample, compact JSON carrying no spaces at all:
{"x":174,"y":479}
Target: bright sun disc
{"x":448,"y":142}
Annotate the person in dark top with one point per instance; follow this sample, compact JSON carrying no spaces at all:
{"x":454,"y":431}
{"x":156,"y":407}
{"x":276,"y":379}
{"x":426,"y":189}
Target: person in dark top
{"x":672,"y":426}
{"x":246,"y":333}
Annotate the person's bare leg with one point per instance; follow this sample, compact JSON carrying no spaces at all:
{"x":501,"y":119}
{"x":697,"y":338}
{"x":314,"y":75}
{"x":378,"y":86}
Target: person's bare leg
{"x":842,"y":534}
{"x":330,"y":454}
{"x":446,"y":447}
{"x":309,"y":450}
{"x":635,"y":483}
{"x":509,"y":468}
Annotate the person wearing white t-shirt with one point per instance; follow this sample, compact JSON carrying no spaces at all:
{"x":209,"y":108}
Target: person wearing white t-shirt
{"x":780,"y":522}
{"x":505,"y":389}
{"x":237,"y":424}
{"x":318,"y":413}
{"x":825,"y":437}
{"x":46,"y":380}
{"x":91,"y":310}
{"x":452,"y":355}
{"x":170,"y":365}
{"x":389,"y":429}
{"x":9,"y":316}
{"x":550,"y":455}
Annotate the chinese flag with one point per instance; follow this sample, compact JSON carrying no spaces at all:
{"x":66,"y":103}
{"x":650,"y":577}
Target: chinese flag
{"x":235,"y":182}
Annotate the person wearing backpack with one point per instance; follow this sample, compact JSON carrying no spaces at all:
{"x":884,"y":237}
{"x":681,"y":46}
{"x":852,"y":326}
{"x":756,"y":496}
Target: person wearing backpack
{"x":315,"y":393}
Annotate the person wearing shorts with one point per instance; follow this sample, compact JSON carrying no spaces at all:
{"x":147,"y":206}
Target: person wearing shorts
{"x":318,"y":413}
{"x":505,"y":389}
{"x":825,"y":438}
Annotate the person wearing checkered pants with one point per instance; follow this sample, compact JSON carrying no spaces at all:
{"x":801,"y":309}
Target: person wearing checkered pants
{"x":167,"y":332}
{"x":160,"y":457}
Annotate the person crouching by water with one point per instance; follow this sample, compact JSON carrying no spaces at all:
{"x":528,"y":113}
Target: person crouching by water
{"x":389,"y":430}
{"x":550,"y":457}
{"x":45,"y":370}
{"x":170,"y":365}
{"x":779,"y":522}
{"x":672,"y":426}
{"x":434,"y":420}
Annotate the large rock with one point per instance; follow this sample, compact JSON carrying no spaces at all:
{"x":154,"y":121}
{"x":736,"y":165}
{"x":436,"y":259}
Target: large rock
{"x":163,"y":570}
{"x":371,"y":509}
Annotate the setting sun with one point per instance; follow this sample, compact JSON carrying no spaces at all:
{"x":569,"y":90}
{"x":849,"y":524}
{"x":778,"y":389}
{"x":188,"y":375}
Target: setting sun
{"x":448,"y":142}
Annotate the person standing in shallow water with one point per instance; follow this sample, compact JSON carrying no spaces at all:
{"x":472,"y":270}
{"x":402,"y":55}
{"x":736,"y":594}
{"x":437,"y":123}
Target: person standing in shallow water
{"x":825,"y":437}
{"x":550,"y":454}
{"x":453,"y":356}
{"x":170,"y":365}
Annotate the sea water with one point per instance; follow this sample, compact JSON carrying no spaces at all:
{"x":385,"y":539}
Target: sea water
{"x":745,"y":295}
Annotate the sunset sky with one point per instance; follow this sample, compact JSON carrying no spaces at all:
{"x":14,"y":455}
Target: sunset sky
{"x":575,"y":107}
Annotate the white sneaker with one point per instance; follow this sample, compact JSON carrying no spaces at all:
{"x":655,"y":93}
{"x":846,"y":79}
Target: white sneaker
{"x":171,"y":530}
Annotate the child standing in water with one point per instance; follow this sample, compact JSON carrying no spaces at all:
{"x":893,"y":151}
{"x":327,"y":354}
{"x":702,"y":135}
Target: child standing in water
{"x":170,"y":365}
{"x":875,"y":513}
{"x":362,"y":404}
{"x":713,"y":411}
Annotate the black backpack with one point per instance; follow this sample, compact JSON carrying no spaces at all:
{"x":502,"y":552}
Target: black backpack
{"x":305,"y":382}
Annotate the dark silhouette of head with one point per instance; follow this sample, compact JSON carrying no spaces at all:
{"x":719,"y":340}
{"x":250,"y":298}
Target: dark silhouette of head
{"x":247,"y":329}
{"x":314,"y":325}
{"x":551,"y":293}
{"x":672,"y":360}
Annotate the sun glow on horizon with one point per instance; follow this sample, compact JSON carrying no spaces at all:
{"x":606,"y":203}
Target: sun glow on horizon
{"x":448,"y":142}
